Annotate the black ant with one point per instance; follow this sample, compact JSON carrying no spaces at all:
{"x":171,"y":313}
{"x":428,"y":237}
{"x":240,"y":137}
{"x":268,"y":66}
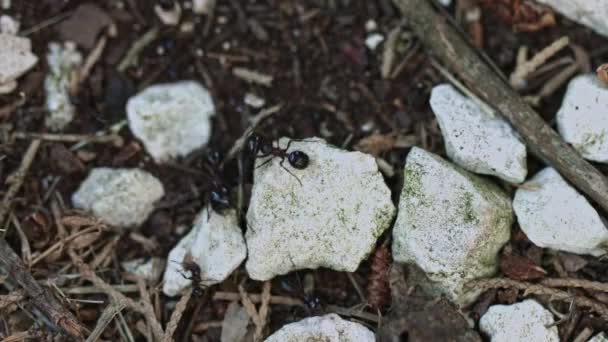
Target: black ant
{"x":189,"y":265}
{"x":257,"y":144}
{"x":218,"y":195}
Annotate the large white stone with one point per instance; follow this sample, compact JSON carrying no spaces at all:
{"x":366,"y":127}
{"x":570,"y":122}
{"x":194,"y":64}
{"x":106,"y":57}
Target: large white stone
{"x":120,"y":197}
{"x":554,"y":215}
{"x":330,"y":220}
{"x":328,"y":328}
{"x":64,"y":62}
{"x":171,"y":119}
{"x":476,"y":140}
{"x":591,"y":13}
{"x":582,"y":120}
{"x":527,"y":321}
{"x":215,"y":244}
{"x":451,"y":225}
{"x":16,"y":59}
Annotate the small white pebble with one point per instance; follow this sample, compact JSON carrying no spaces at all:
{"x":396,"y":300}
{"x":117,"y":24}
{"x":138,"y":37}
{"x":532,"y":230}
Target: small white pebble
{"x":254,"y":101}
{"x":371,"y":25}
{"x":170,"y":17}
{"x":202,"y":6}
{"x":373,"y":40}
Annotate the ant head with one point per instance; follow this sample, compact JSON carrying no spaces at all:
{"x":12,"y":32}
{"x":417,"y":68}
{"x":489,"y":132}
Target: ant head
{"x":312,"y":302}
{"x":298,"y":159}
{"x":214,"y":157}
{"x":220,"y":198}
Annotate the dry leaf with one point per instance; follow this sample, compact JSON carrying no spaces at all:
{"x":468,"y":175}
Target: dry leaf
{"x":77,"y":222}
{"x":376,"y":144}
{"x":519,"y":267}
{"x":86,"y":240}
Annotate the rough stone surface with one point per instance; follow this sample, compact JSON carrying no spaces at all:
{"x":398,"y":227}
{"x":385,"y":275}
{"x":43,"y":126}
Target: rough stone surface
{"x":477,"y":140}
{"x":554,"y":215}
{"x":215,"y":243}
{"x":149,"y":269}
{"x":8,"y":25}
{"x":601,"y":337}
{"x":591,"y":13}
{"x":330,"y":220}
{"x":15,"y":59}
{"x":328,"y":328}
{"x":64,"y":61}
{"x":523,"y":322}
{"x":120,"y":197}
{"x":451,"y":225}
{"x":582,"y":120}
{"x":171,"y":119}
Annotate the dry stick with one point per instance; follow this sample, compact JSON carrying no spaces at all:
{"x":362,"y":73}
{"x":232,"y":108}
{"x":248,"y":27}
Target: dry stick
{"x":440,"y":38}
{"x":132,"y":55}
{"x":536,"y":289}
{"x":74,"y":138}
{"x":240,"y":142}
{"x":578,"y":283}
{"x":176,"y":316}
{"x":39,"y":296}
{"x":16,"y":179}
{"x":263,"y":312}
{"x":89,"y":275}
{"x":106,"y":317}
{"x":59,"y":244}
{"x":11,"y":298}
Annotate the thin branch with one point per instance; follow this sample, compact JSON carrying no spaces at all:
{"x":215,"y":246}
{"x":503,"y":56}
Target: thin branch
{"x":16,"y":179}
{"x":536,"y":289}
{"x":176,"y":316}
{"x":106,"y":317}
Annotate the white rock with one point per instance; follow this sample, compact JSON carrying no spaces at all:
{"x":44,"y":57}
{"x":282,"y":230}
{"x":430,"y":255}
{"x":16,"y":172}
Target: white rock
{"x":330,"y":220}
{"x":171,"y":119}
{"x":591,"y":13}
{"x":120,"y":197}
{"x":477,"y":140}
{"x":254,"y":101}
{"x":445,"y":3}
{"x":371,"y":25}
{"x":523,"y":322}
{"x":582,"y":120}
{"x":373,"y":40}
{"x":64,"y":63}
{"x":202,"y":6}
{"x":601,"y":337}
{"x":15,"y":59}
{"x":554,"y":215}
{"x":150,"y":269}
{"x":8,"y":25}
{"x":215,"y":244}
{"x":451,"y":224}
{"x":328,"y":328}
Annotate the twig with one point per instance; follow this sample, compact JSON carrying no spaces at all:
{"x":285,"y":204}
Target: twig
{"x":240,"y":142}
{"x":92,"y":58}
{"x":176,"y":316}
{"x":452,"y":50}
{"x":253,"y":76}
{"x":353,"y":313}
{"x":263,"y":312}
{"x":46,"y":23}
{"x":59,"y":244}
{"x":11,"y":298}
{"x":524,"y":68}
{"x":584,"y":335}
{"x":204,"y":326}
{"x":138,"y":307}
{"x":256,"y":298}
{"x":536,"y":289}
{"x":74,"y":138}
{"x":132,"y":55}
{"x":577,"y":283}
{"x":39,"y":296}
{"x":16,"y":179}
{"x":106,"y":317}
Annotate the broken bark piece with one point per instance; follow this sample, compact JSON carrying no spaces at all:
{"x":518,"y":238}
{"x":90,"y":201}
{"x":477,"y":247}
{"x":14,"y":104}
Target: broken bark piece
{"x":84,"y":25}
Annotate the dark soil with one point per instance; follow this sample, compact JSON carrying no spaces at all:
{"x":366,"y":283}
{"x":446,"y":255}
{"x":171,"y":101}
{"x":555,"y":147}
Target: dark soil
{"x":330,"y":86}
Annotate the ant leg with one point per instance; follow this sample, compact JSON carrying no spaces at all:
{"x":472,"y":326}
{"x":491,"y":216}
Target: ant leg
{"x":265,"y":162}
{"x":291,"y":173}
{"x":184,"y":275}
